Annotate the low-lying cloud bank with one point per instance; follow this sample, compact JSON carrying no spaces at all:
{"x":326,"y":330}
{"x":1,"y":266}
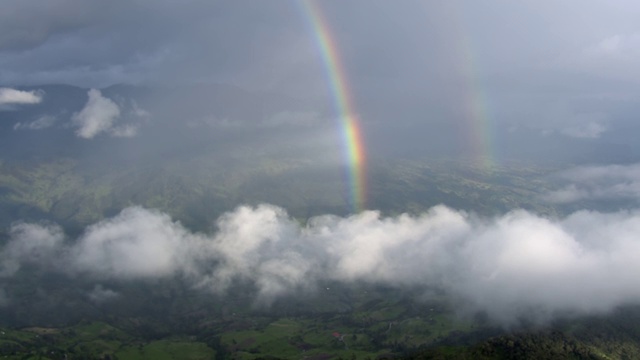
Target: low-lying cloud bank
{"x":518,"y":265}
{"x":606,"y":182}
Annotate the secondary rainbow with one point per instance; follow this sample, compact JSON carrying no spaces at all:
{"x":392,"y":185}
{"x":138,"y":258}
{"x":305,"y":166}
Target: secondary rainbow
{"x":474,"y":104}
{"x":351,"y":134}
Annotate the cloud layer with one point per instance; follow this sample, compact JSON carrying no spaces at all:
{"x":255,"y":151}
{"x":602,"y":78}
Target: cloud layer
{"x":518,"y":265}
{"x":604,"y":182}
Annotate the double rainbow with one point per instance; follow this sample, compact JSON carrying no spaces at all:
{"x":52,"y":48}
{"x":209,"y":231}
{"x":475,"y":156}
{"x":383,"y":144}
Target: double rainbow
{"x":351,"y":133}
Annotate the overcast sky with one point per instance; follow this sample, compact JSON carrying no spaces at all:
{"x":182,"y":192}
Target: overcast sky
{"x":98,"y":43}
{"x":534,"y":62}
{"x":267,"y":44}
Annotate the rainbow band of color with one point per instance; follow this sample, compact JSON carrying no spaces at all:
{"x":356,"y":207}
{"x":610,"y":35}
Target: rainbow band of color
{"x":351,"y":134}
{"x":474,"y":102}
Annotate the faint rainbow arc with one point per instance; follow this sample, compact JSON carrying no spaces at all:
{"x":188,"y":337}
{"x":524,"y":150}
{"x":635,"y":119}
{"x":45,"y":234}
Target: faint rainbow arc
{"x":475,"y":102}
{"x":351,"y":132}
{"x":474,"y":106}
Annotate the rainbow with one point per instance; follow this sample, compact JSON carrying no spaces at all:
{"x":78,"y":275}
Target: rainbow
{"x":475,"y":106}
{"x":474,"y":102}
{"x":351,"y":133}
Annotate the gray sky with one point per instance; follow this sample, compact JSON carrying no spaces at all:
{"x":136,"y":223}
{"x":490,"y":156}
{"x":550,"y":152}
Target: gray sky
{"x":99,"y":43}
{"x":534,"y":63}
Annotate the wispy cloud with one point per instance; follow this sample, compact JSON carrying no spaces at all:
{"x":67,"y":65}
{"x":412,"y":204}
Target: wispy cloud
{"x":43,"y":122}
{"x":608,"y":182}
{"x":99,"y":294}
{"x":127,"y":130}
{"x":31,"y":244}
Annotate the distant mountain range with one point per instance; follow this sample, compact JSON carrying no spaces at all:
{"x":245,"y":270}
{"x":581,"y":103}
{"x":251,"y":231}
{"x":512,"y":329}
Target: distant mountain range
{"x":180,"y":120}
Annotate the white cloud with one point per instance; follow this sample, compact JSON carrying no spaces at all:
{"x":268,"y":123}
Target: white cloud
{"x":98,"y":115}
{"x":103,"y":115}
{"x":30,"y":243}
{"x":10,"y":96}
{"x":518,"y":265}
{"x":597,"y":183}
{"x":256,"y":244}
{"x":137,"y":243}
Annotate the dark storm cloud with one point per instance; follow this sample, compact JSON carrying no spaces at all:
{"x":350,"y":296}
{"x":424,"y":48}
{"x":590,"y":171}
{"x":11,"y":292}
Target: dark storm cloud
{"x":28,"y":24}
{"x":97,"y":44}
{"x":376,"y":38}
